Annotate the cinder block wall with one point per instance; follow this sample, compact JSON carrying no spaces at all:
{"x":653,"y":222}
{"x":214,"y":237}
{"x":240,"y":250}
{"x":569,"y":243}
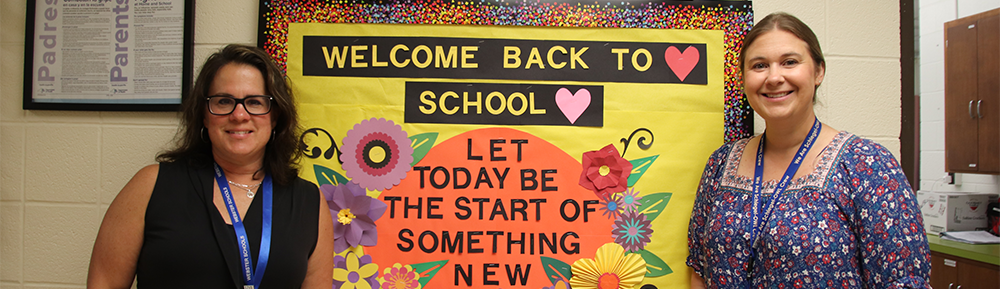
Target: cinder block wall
{"x":59,"y":170}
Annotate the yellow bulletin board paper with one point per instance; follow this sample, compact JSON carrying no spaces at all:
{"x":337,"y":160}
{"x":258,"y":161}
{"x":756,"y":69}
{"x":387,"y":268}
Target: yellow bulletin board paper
{"x":510,"y":180}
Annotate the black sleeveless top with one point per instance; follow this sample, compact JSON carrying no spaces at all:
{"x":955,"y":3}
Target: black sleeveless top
{"x":187,"y":244}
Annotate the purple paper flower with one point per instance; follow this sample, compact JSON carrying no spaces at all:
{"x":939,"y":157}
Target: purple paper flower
{"x":354,"y":214}
{"x":376,"y":154}
{"x":559,"y":283}
{"x":632,"y":230}
{"x":611,"y":206}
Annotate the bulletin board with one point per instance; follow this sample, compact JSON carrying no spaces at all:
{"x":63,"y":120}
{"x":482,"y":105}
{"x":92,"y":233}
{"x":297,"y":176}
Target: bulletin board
{"x":510,"y":144}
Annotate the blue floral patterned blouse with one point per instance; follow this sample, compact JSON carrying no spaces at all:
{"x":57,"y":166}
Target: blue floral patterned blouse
{"x":853,"y":223}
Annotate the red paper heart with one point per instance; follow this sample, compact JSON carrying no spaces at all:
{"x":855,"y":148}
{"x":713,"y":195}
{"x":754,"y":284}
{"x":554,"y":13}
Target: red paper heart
{"x":681,"y":63}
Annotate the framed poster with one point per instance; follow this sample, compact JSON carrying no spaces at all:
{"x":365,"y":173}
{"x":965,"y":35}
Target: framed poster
{"x":107,"y":55}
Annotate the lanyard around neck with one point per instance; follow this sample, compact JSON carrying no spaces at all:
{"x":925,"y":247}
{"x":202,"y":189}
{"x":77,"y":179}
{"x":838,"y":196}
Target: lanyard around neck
{"x":758,"y":175}
{"x":251,"y":277}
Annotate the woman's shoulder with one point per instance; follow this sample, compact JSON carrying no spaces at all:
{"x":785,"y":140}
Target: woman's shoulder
{"x":181,"y":165}
{"x":138,"y":189}
{"x":299,"y":182}
{"x":148,"y":171}
{"x":729,"y":152}
{"x":727,"y":147}
{"x":854,"y":145}
{"x":725,"y":159}
{"x":304,"y":189}
{"x":145,"y":177}
{"x":862,"y":156}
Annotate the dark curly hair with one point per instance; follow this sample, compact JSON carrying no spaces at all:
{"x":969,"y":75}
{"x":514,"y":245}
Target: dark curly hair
{"x":281,"y":155}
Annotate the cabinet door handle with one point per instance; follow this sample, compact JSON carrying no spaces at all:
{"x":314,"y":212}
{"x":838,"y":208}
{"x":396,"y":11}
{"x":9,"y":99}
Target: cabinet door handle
{"x":979,"y":106}
{"x":959,"y":287}
{"x":970,"y":109}
{"x":950,"y":285}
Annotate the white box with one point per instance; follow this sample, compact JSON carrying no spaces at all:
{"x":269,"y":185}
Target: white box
{"x":953,"y":211}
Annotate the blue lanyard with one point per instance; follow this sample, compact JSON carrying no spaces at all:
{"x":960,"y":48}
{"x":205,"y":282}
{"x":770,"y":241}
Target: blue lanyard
{"x":758,"y":176}
{"x":251,"y":278}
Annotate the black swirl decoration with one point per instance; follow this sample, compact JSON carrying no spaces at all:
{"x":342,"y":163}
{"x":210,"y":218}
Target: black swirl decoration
{"x":641,"y":141}
{"x":315,"y":152}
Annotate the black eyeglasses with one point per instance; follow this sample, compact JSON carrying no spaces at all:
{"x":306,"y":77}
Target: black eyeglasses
{"x":254,"y":104}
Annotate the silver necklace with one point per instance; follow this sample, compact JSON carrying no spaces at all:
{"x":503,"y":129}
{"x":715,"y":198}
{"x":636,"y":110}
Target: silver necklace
{"x":250,"y":188}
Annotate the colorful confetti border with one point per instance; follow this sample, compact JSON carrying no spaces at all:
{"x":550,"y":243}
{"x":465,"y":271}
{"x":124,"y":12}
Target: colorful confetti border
{"x":733,"y":17}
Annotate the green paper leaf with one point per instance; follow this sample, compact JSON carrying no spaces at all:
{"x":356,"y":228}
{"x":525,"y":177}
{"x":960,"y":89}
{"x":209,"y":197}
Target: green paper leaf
{"x":555,"y":270}
{"x":428,"y":270}
{"x":653,"y":204}
{"x":639,"y":167}
{"x":422,"y":144}
{"x":655,"y":266}
{"x":326,"y":176}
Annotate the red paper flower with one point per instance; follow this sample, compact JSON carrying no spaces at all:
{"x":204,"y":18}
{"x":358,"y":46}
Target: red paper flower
{"x":605,"y":172}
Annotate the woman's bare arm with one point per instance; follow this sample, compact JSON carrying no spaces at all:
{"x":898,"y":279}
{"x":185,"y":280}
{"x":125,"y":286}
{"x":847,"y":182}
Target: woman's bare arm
{"x":696,"y":281}
{"x":116,"y":250}
{"x":320,"y":271}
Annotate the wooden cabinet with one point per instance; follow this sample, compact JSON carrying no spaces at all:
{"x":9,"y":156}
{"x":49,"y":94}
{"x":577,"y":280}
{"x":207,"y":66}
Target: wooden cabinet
{"x":972,"y":94}
{"x":950,"y":272}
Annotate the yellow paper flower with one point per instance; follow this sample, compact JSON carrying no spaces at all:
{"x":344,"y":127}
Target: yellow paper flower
{"x":354,"y":273}
{"x":610,"y":269}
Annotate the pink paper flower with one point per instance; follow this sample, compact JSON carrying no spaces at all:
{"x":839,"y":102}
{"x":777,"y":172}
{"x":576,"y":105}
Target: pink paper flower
{"x":605,"y":172}
{"x":376,"y":154}
{"x":632,"y":230}
{"x":354,"y":214}
{"x":400,"y":276}
{"x":631,"y":200}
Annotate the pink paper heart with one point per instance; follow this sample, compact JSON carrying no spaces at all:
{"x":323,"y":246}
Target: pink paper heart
{"x":572,"y":105}
{"x":681,"y":63}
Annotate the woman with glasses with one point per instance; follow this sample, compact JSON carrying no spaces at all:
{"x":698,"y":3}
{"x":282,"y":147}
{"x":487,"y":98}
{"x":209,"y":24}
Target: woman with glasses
{"x":225,"y":208}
